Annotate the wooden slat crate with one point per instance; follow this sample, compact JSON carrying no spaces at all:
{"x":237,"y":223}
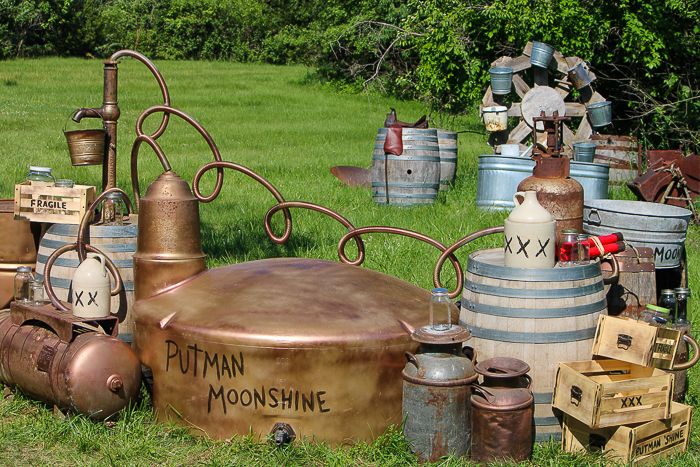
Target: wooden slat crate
{"x":635,"y":342}
{"x":40,"y":202}
{"x":606,"y":392}
{"x":621,"y":153}
{"x":637,"y":444}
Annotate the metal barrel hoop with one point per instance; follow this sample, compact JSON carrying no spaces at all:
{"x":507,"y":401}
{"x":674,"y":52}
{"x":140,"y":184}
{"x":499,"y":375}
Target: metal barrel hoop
{"x":80,"y":241}
{"x":161,"y":156}
{"x":696,"y":354}
{"x":405,"y":233}
{"x":74,"y":246}
{"x":317,"y":208}
{"x":449,"y":253}
{"x":220,"y":165}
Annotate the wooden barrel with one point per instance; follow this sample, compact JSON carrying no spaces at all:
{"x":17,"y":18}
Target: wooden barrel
{"x":540,"y":316}
{"x":447,"y":141}
{"x":116,"y":242}
{"x":414,"y":176}
{"x":17,"y":248}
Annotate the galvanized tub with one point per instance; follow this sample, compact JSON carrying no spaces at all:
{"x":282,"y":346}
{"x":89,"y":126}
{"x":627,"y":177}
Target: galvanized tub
{"x":499,"y":177}
{"x":541,"y":316}
{"x":652,"y":225}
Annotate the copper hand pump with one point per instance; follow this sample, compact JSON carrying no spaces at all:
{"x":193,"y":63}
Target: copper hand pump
{"x":109,"y":112}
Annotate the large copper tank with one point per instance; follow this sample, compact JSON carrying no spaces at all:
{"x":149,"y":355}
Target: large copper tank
{"x":316,"y":344}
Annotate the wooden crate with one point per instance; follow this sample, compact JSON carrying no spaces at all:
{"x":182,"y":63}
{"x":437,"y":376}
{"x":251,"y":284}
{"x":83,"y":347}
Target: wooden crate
{"x":621,"y":153}
{"x":639,"y":444}
{"x":606,"y":392}
{"x":635,"y":342}
{"x":41,"y":202}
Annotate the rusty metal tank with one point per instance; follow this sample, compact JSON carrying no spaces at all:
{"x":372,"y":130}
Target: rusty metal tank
{"x":74,"y":368}
{"x":559,"y":194}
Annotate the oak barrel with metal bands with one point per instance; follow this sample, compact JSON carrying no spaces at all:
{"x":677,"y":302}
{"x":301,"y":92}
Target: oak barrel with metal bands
{"x":447,"y":142}
{"x":116,"y":242}
{"x":17,"y":248}
{"x":414,"y":176}
{"x":540,"y":316}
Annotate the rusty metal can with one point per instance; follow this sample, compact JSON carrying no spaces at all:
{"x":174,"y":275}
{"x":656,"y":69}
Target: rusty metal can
{"x":436,"y":390}
{"x":502,"y":412}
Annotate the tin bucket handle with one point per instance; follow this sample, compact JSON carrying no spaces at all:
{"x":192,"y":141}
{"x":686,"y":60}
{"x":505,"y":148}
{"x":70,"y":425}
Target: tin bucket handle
{"x":696,"y":354}
{"x":489,"y":396}
{"x":591,"y":221}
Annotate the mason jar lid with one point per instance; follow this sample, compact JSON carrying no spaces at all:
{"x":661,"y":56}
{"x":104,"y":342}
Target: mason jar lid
{"x":660,"y":309}
{"x":667,"y":292}
{"x":569,"y":231}
{"x":682,"y":290}
{"x":24,"y":269}
{"x":62,"y":183}
{"x":34,"y":168}
{"x":113,"y":195}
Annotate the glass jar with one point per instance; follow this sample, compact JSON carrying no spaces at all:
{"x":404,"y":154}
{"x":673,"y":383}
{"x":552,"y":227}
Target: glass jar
{"x":568,"y":250}
{"x":36,"y":293}
{"x":682,"y":296}
{"x":22,"y":279}
{"x":440,"y":316}
{"x":667,"y":299}
{"x":584,"y":250}
{"x":60,"y":183}
{"x":113,"y":209}
{"x":655,"y":315}
{"x":41,"y":174}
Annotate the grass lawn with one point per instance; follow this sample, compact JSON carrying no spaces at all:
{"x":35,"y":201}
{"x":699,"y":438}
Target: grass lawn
{"x":280,"y":123}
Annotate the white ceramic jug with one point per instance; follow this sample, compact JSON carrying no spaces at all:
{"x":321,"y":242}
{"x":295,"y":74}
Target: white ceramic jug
{"x":530,"y":234}
{"x":91,"y":288}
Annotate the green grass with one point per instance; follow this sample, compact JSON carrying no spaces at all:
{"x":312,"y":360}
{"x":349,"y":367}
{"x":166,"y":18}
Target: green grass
{"x":278,"y":122}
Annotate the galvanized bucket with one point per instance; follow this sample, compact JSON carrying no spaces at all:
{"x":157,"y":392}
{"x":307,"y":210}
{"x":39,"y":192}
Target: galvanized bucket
{"x":499,"y":176}
{"x":584,"y":152}
{"x":541,"y":54}
{"x":86,"y":147}
{"x":495,"y":118}
{"x":600,"y":113}
{"x":501,"y":80}
{"x":579,"y":76}
{"x":657,"y":226}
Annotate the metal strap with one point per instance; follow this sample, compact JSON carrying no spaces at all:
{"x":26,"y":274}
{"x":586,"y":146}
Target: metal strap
{"x":111,"y":247}
{"x":537,"y":313}
{"x":543,"y":397}
{"x":544,"y":437}
{"x":568,"y":292}
{"x":74,"y":263}
{"x":434,"y":186}
{"x":409,"y":195}
{"x":97,"y":231}
{"x":60,"y":283}
{"x":532,"y":337}
{"x":410,"y":157}
{"x":546,"y":421}
{"x":537,"y":275}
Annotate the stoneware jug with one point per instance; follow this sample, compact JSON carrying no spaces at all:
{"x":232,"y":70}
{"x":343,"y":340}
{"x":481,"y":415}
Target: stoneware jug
{"x":91,"y":288}
{"x":529,"y":234}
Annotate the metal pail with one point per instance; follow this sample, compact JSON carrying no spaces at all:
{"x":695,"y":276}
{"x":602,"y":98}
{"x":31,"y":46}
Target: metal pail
{"x":542,"y":316}
{"x":541,"y":54}
{"x":657,"y":226}
{"x":579,"y":76}
{"x":592,"y":177}
{"x":501,"y":80}
{"x":498,"y":180}
{"x":600,"y":113}
{"x":86,"y":147}
{"x":584,"y":152}
{"x":495,"y":118}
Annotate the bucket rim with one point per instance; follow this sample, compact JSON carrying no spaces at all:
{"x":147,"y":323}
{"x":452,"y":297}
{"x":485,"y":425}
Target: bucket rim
{"x":627,"y":207}
{"x":501,"y":70}
{"x":495,"y":108}
{"x":596,"y":105}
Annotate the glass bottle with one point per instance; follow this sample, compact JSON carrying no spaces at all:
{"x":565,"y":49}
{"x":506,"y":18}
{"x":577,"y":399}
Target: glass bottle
{"x":60,"y":183}
{"x":683,"y":326}
{"x":655,"y":315}
{"x":584,"y":251}
{"x":568,"y":250}
{"x":22,"y":279}
{"x":113,"y":209}
{"x":41,"y":174}
{"x":682,"y":296}
{"x":440,"y":315}
{"x":36,"y":293}
{"x":667,"y":299}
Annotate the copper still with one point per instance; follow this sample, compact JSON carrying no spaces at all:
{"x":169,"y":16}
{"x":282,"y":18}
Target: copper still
{"x":502,"y":412}
{"x":17,"y":248}
{"x":63,"y":361}
{"x":436,"y":389}
{"x":558,"y":193}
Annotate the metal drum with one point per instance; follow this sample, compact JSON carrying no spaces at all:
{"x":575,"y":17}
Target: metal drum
{"x":116,"y":242}
{"x":657,"y":226}
{"x":541,"y":316}
{"x":316,"y":345}
{"x":17,"y":248}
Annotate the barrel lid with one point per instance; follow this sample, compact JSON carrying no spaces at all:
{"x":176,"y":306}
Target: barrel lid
{"x":287,"y":303}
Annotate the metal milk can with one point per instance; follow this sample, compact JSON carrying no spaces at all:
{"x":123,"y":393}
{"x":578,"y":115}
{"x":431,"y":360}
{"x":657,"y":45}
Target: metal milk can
{"x":436,"y":389}
{"x":502,"y":412}
{"x":91,"y":288}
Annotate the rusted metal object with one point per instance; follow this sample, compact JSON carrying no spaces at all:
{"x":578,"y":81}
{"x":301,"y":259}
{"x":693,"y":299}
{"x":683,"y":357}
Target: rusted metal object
{"x":353,"y":176}
{"x":17,"y":248}
{"x":169,"y":243}
{"x":55,"y":358}
{"x":436,"y":390}
{"x":653,"y":185}
{"x":502,"y":412}
{"x":316,"y":344}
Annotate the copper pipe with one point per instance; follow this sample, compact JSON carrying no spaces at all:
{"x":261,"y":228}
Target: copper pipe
{"x":405,"y":233}
{"x":220,"y":165}
{"x":80,"y":242}
{"x":448,"y":252}
{"x":164,"y":161}
{"x":109,"y":112}
{"x":74,"y":246}
{"x":314,"y":207}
